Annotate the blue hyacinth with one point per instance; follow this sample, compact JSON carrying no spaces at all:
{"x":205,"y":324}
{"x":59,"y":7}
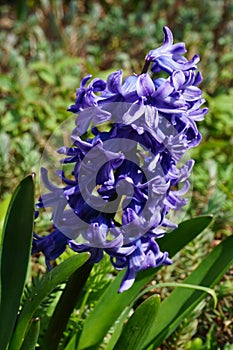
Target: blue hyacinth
{"x":127,"y":145}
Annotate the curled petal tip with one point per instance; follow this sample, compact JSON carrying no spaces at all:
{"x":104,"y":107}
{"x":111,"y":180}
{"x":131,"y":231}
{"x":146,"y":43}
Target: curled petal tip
{"x":168,"y":37}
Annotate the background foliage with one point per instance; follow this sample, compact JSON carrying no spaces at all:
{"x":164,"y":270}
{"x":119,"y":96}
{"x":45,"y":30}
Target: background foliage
{"x":46,"y":47}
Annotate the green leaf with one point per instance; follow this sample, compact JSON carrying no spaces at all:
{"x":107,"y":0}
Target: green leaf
{"x":175,"y":240}
{"x":6,"y":84}
{"x":47,"y":284}
{"x":118,"y":326}
{"x":48,"y":77}
{"x":65,"y":307}
{"x":15,"y":255}
{"x":181,"y":301}
{"x":39,"y":66}
{"x":3,"y":210}
{"x":137,"y":328}
{"x":182,"y":285}
{"x":73,"y":343}
{"x":122,"y":318}
{"x":32,"y":336}
{"x":111,"y":304}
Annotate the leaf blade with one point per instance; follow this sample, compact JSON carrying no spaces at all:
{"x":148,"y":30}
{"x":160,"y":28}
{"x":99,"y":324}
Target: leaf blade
{"x":138,"y":325}
{"x":15,"y":254}
{"x":48,"y":283}
{"x":31,"y":340}
{"x":91,"y":335}
{"x":182,"y":301}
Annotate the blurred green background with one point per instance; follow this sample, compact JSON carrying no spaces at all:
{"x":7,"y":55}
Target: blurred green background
{"x":46,"y":47}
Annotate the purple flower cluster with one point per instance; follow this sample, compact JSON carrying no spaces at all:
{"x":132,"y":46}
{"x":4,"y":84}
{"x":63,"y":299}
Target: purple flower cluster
{"x":130,"y":137}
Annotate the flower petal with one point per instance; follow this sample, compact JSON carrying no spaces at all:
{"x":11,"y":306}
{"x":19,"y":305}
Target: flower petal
{"x":145,"y":85}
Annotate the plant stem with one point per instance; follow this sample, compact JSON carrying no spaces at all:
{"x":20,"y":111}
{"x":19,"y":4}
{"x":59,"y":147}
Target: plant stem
{"x":65,"y":306}
{"x":145,"y":67}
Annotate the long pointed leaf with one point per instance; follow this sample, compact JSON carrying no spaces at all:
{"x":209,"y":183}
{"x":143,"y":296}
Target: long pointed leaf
{"x":48,"y":283}
{"x":138,"y":326}
{"x":181,"y":301}
{"x":31,"y":339}
{"x":65,"y":307}
{"x":73,"y":343}
{"x":112,"y":304}
{"x":15,"y":255}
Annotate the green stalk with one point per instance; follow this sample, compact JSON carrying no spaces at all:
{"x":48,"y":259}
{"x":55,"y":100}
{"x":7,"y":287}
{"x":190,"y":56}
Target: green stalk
{"x":65,"y":306}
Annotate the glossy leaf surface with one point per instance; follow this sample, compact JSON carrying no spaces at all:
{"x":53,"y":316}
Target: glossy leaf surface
{"x":15,"y":255}
{"x":138,"y":326}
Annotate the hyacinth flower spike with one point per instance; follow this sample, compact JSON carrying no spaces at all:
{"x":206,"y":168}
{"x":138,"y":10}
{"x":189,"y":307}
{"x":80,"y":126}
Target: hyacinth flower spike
{"x":128,"y":141}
